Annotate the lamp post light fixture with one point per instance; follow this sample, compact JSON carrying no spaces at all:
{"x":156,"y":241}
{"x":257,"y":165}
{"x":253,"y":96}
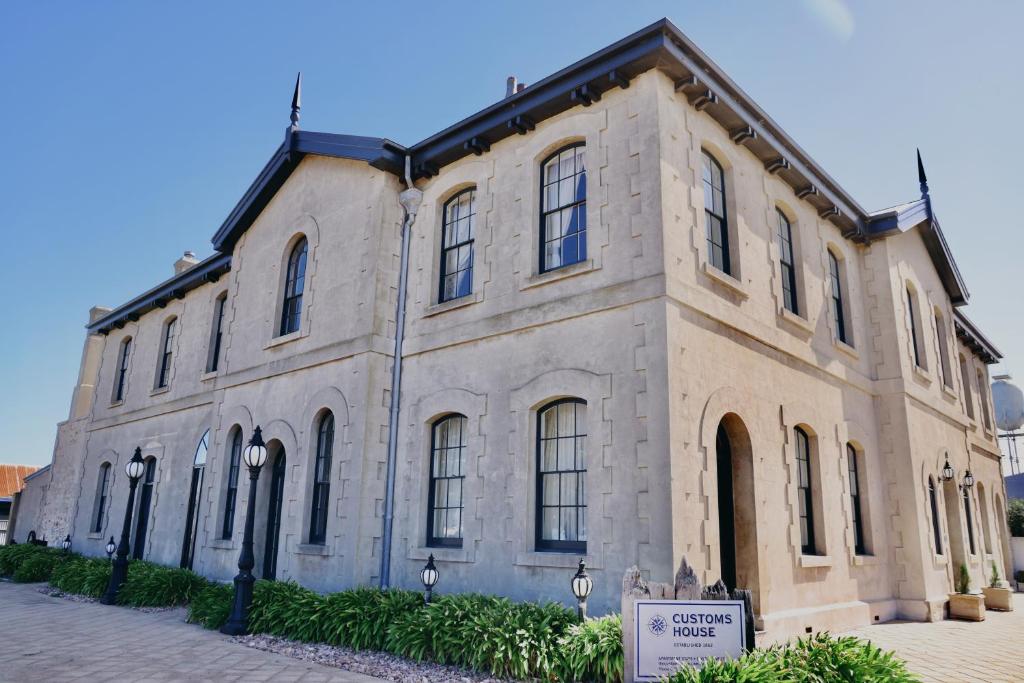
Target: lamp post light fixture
{"x":66,"y":543}
{"x":582,"y":585}
{"x":254,"y":457}
{"x":947,"y":471}
{"x":111,"y":547}
{"x":429,"y":576}
{"x":134,"y":470}
{"x":968,"y":479}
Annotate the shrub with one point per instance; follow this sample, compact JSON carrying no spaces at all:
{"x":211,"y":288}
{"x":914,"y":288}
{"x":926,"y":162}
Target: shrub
{"x":1015,"y":517}
{"x":995,"y":579}
{"x":12,"y":556}
{"x":284,"y":608}
{"x":963,"y":580}
{"x":82,"y":576}
{"x":592,"y":651}
{"x":153,"y":585}
{"x":38,"y":566}
{"x":211,"y":605}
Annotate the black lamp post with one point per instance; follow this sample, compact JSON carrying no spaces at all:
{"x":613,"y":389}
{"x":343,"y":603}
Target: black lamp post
{"x":582,"y":585}
{"x":118,"y":576}
{"x":111,"y":547}
{"x":429,"y":576}
{"x":255,"y":456}
{"x":947,"y":471}
{"x":66,"y":543}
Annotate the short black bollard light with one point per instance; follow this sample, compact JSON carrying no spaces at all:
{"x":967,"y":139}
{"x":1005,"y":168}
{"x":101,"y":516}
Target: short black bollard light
{"x":582,"y":585}
{"x":111,"y":547}
{"x":119,"y":575}
{"x":66,"y":543}
{"x":255,"y":456}
{"x":429,"y":576}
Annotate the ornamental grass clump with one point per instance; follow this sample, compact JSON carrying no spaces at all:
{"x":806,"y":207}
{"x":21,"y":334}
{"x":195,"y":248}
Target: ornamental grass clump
{"x":37,"y":567}
{"x":82,"y":576}
{"x":284,"y":608}
{"x":13,"y":556}
{"x":592,"y":651}
{"x":153,"y":585}
{"x":211,"y":605}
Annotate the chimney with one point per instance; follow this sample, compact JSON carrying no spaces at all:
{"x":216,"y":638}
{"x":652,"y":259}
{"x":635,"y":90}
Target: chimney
{"x":185,"y":262}
{"x":510,"y":86}
{"x":520,"y":87}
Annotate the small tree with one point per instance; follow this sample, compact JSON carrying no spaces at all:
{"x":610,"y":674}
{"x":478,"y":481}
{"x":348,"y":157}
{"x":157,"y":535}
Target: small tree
{"x":995,"y":580}
{"x":963,"y":581}
{"x":1015,"y":517}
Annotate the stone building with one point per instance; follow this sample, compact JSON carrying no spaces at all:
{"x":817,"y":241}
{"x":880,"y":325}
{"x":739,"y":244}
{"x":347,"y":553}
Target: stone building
{"x":641,"y":323}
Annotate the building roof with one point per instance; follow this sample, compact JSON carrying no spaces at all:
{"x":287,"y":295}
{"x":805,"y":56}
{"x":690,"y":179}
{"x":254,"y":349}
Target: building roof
{"x":661,"y":46}
{"x":12,"y":479}
{"x":972,"y":337}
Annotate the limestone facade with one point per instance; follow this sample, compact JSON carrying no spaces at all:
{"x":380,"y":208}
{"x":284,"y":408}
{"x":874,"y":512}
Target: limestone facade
{"x":661,"y":346}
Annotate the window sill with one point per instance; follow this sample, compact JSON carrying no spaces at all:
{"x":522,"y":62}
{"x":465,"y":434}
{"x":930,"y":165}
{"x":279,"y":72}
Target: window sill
{"x":922,"y":375}
{"x":554,"y":560}
{"x":815,"y":561}
{"x":160,"y":390}
{"x":115,"y":404}
{"x":450,"y":305}
{"x":846,"y":348}
{"x":797,"y":321}
{"x":284,"y":339}
{"x":221,"y":544}
{"x":723,"y":278}
{"x":560,"y":274}
{"x":950,"y":392}
{"x":317,"y":549}
{"x":939,"y":560}
{"x":95,"y":535}
{"x":207,"y":376}
{"x":865,"y":560}
{"x":440,"y":554}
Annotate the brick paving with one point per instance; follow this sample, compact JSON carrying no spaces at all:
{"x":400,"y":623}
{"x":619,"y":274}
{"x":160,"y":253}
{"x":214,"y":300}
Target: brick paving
{"x":44,"y":638}
{"x":958,"y":651}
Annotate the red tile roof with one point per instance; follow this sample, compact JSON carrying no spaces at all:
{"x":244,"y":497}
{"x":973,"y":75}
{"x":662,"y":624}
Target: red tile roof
{"x":12,"y":478}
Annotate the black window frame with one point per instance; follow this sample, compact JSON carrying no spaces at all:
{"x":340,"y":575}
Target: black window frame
{"x":838,"y":297}
{"x":449,"y":227}
{"x":449,"y":479}
{"x":231,"y":491}
{"x":914,"y":332}
{"x":577,"y":205}
{"x":102,"y":493}
{"x":122,"y":369}
{"x":724,"y":263}
{"x":936,"y":528}
{"x":294,"y":288}
{"x":542,"y":544}
{"x":142,"y":515}
{"x":941,"y":338}
{"x":218,"y":332}
{"x":986,"y":413}
{"x":853,"y":469}
{"x":805,"y":491}
{"x":321,"y":479}
{"x":163,"y":377}
{"x":787,"y":263}
{"x":969,"y":518}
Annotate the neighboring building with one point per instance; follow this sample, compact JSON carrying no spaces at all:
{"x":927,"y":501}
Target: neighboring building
{"x":642,"y":324}
{"x":12,"y":480}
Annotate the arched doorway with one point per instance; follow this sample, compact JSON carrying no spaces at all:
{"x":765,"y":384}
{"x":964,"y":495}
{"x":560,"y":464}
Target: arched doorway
{"x":270,"y":546}
{"x":145,"y":502}
{"x":737,"y":523}
{"x":195,"y":493}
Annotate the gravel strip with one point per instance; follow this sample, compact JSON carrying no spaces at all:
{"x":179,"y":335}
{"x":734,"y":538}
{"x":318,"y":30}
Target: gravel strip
{"x":74,"y":597}
{"x":380,"y":664}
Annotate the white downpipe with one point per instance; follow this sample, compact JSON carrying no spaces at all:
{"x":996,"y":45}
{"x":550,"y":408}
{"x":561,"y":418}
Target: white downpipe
{"x":410,"y":199}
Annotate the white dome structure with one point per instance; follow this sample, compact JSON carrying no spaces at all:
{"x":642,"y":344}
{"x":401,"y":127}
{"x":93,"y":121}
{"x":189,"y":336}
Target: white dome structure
{"x":1009,"y":403}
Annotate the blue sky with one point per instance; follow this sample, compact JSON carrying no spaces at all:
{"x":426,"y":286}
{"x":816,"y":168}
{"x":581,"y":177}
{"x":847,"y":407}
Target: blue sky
{"x":131,"y":129}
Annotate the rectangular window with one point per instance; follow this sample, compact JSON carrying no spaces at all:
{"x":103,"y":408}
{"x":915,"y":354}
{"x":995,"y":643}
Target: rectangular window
{"x":447,"y":475}
{"x":805,"y":495}
{"x":561,"y":477}
{"x":986,"y":416}
{"x":563,"y":213}
{"x":322,"y":479}
{"x":838,"y":310}
{"x":787,"y":264}
{"x":859,"y":546}
{"x":914,"y":333}
{"x":457,"y":246}
{"x":164,"y":375}
{"x":102,"y":486}
{"x":715,"y":223}
{"x":218,"y":333}
{"x":940,"y":334}
{"x":122,"y":370}
{"x":936,"y":530}
{"x":231,"y":494}
{"x":969,"y":519}
{"x":965,"y":377}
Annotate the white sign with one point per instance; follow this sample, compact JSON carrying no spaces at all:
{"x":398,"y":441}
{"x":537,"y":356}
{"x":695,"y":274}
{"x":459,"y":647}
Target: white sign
{"x":671,"y":633}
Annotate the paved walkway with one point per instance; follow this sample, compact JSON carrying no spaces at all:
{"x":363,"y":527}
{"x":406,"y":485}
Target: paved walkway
{"x":53,"y":639}
{"x":958,"y":651}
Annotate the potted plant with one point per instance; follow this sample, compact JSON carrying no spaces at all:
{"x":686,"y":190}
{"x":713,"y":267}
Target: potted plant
{"x":996,"y":595}
{"x":963,"y":604}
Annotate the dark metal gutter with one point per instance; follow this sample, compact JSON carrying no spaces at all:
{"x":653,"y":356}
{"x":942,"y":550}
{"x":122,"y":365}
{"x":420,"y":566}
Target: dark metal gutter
{"x":972,"y":337}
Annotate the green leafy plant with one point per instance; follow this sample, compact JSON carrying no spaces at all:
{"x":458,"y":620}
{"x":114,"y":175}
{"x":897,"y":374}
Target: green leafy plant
{"x":284,"y":608}
{"x":592,"y":651}
{"x":12,"y":556}
{"x":38,"y":566}
{"x":1015,"y":517}
{"x":82,"y":576}
{"x":211,"y":605}
{"x":153,"y":585}
{"x":963,"y":580}
{"x":995,"y":579}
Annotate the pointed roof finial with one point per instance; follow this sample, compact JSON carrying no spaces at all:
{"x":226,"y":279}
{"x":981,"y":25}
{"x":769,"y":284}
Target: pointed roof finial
{"x":297,"y":101}
{"x":921,"y":177}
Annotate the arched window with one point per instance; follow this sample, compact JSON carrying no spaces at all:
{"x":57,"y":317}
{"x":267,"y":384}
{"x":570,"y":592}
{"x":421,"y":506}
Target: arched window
{"x":188,"y":546}
{"x":859,"y":544}
{"x":563,"y":210}
{"x":941,"y":338}
{"x":447,"y":474}
{"x":163,"y":375}
{"x":915,"y":332}
{"x":965,"y":378}
{"x":986,"y":416}
{"x":838,"y":302}
{"x":786,"y":263}
{"x":231,"y":493}
{"x":294,"y":284}
{"x":934,"y":504}
{"x":145,"y":503}
{"x":805,"y":493}
{"x":986,"y":528}
{"x":100,"y":502}
{"x":216,"y":333}
{"x":969,"y":518}
{"x":122,"y":369}
{"x":457,"y":246}
{"x":561,"y":476}
{"x":322,"y":479}
{"x":715,"y":221}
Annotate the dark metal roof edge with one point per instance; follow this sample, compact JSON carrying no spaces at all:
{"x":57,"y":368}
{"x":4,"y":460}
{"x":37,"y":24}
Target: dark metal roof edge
{"x":41,"y":470}
{"x":207,"y":270}
{"x":937,"y":247}
{"x":974,"y":338}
